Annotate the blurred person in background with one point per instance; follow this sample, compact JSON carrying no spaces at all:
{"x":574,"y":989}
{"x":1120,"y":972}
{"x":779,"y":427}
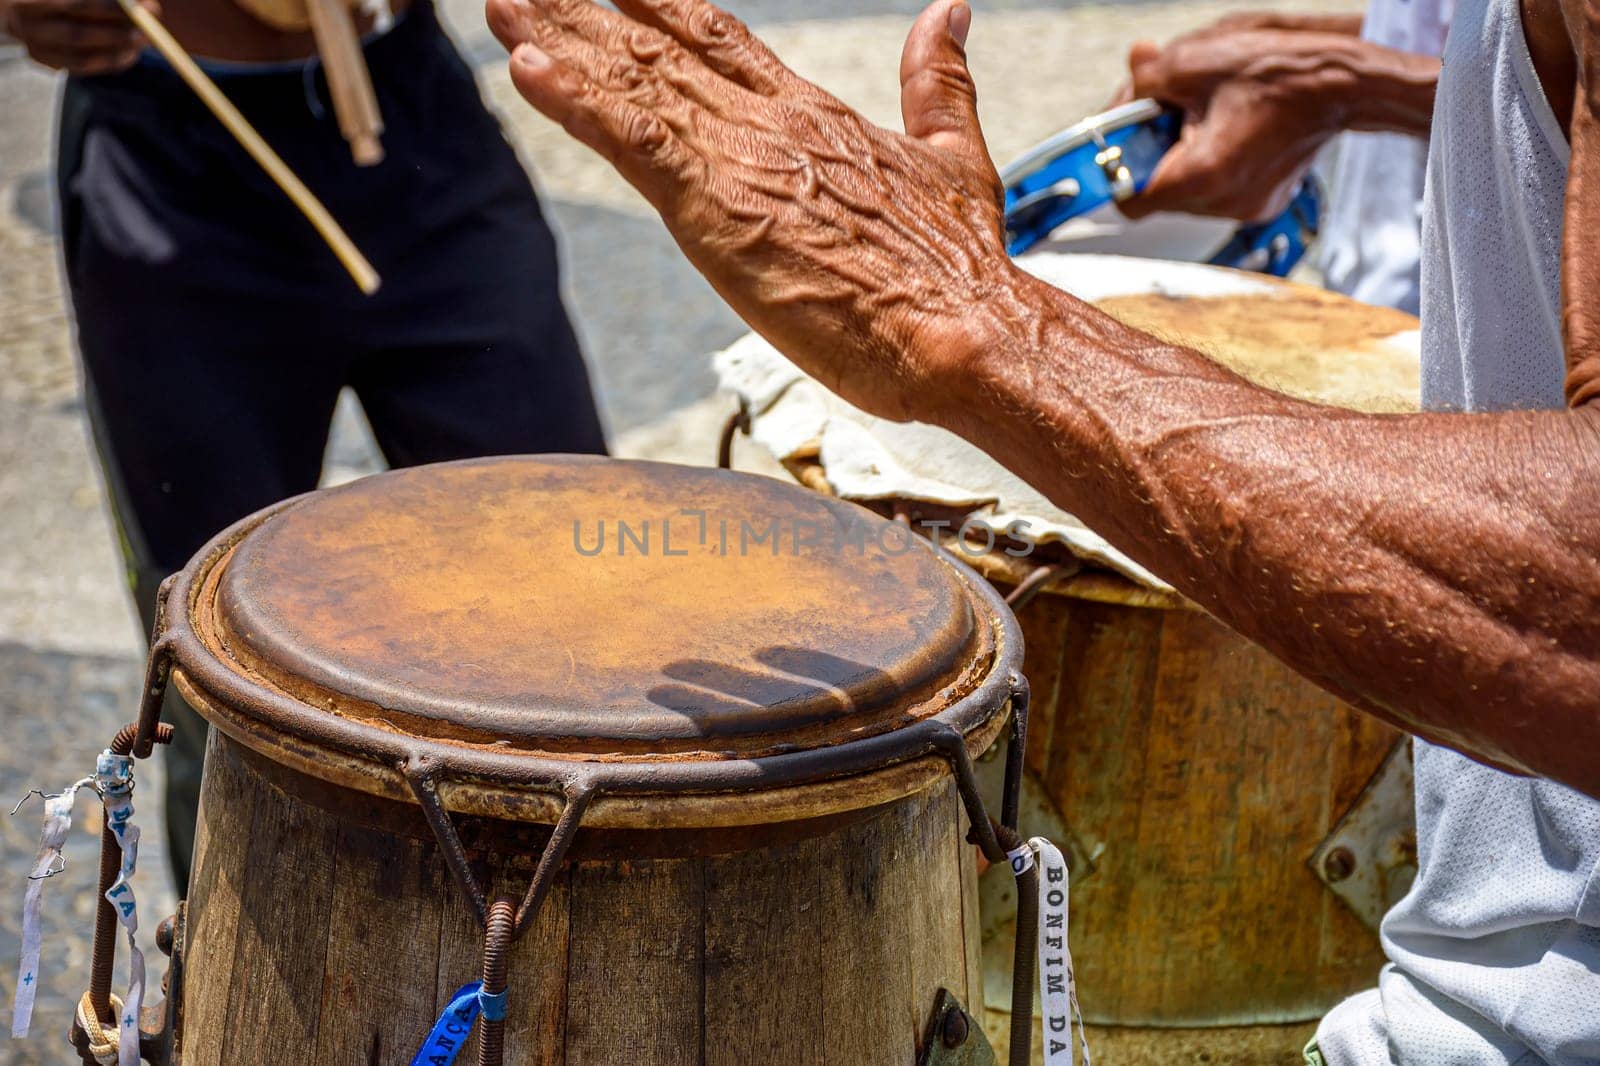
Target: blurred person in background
{"x":216,"y":331}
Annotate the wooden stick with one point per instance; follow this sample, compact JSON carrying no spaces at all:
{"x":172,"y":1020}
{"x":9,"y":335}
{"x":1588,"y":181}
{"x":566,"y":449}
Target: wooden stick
{"x":356,"y":263}
{"x":349,"y":82}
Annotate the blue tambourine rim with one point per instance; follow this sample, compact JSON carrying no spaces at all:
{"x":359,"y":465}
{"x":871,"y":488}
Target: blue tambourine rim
{"x":1079,"y":134}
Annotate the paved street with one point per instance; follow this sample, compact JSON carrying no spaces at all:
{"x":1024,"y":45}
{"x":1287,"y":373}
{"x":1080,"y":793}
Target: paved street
{"x":69,"y":646}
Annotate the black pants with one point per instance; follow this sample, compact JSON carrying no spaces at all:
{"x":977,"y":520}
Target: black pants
{"x":216,"y":329}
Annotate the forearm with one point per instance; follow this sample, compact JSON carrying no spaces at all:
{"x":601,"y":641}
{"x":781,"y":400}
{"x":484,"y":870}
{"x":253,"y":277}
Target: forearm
{"x":1391,"y":90}
{"x":1370,"y":552}
{"x":1281,"y":20}
{"x":1356,"y":84}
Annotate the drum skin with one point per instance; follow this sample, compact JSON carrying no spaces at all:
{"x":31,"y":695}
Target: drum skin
{"x":315,"y":938}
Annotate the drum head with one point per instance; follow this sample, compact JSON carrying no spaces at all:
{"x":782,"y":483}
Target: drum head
{"x":1296,"y":339}
{"x":591,"y":608}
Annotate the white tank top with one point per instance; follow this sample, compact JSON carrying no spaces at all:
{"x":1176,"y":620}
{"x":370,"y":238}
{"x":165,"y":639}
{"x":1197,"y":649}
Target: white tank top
{"x":1495,"y":952}
{"x":1370,"y":247}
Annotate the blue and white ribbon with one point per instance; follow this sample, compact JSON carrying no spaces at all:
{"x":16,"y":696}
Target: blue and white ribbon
{"x":455,"y":1024}
{"x":1058,"y":988}
{"x":114,"y":780}
{"x":46,"y":864}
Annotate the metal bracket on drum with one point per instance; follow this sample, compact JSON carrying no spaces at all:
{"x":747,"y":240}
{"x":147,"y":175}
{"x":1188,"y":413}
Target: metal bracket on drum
{"x":954,"y":1037}
{"x":161,"y":1024}
{"x":995,"y":839}
{"x":504,"y":920}
{"x":953,"y":746}
{"x":157,"y":674}
{"x":738,"y":422}
{"x":1036,"y":582}
{"x":103,"y":954}
{"x":1370,"y":858}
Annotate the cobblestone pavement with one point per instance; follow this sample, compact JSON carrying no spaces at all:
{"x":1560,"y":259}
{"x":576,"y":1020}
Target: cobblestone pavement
{"x":69,"y":647}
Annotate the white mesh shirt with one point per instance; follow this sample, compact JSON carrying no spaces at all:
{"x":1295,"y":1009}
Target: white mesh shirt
{"x":1495,"y":953}
{"x":1491,"y":246}
{"x":1371,"y":241}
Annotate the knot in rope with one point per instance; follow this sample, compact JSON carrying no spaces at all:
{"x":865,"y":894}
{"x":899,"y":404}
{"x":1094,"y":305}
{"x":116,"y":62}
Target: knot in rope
{"x":102,"y":1039}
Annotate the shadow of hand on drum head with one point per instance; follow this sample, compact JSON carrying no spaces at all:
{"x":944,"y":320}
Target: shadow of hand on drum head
{"x":802,"y":690}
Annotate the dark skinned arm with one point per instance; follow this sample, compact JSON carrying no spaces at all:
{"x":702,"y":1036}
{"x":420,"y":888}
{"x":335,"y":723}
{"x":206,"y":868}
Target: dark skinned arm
{"x":1441,"y":571}
{"x":1260,"y":98}
{"x":1348,"y":24}
{"x":77,"y":36}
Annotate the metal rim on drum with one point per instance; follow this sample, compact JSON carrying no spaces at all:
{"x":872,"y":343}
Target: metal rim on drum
{"x":1079,"y":133}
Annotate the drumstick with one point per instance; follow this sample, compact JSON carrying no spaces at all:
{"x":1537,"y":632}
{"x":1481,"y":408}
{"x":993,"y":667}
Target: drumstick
{"x":349,"y":82}
{"x":366,"y":278}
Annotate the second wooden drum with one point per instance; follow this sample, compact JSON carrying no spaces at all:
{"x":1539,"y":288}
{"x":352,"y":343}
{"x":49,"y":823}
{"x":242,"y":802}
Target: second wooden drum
{"x":745,"y":697}
{"x":1233,"y":830}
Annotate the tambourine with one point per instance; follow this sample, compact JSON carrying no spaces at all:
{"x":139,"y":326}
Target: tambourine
{"x":1108,"y":158}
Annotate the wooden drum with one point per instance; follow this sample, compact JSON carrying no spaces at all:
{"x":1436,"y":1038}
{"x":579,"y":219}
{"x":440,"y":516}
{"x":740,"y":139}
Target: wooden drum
{"x":1234,"y":832}
{"x":738,"y":702}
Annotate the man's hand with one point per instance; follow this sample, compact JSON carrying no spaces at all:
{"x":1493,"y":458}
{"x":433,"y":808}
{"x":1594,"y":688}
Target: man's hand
{"x":1253,"y":120}
{"x":845,"y":244}
{"x":77,"y":36}
{"x":1258,"y":101}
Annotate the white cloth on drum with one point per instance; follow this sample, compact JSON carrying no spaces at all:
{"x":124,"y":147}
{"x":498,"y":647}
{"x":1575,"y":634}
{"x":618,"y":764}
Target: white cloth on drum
{"x":1371,"y":242}
{"x":867,"y":458}
{"x":1496,"y":949}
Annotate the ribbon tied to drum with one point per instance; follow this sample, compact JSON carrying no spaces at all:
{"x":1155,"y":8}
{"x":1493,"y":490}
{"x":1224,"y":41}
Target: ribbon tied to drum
{"x":113,"y":781}
{"x":1058,"y":989}
{"x":48,"y":862}
{"x":455,"y":1023}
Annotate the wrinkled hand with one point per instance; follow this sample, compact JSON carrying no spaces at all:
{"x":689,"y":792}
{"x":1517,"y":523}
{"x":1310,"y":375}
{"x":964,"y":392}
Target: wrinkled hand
{"x":1257,"y":104}
{"x":77,"y":36}
{"x":1247,"y":21}
{"x":857,"y":251}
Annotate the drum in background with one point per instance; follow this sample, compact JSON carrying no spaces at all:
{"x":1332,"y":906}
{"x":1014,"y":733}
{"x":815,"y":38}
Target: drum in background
{"x":743,"y":695}
{"x":1234,"y":831}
